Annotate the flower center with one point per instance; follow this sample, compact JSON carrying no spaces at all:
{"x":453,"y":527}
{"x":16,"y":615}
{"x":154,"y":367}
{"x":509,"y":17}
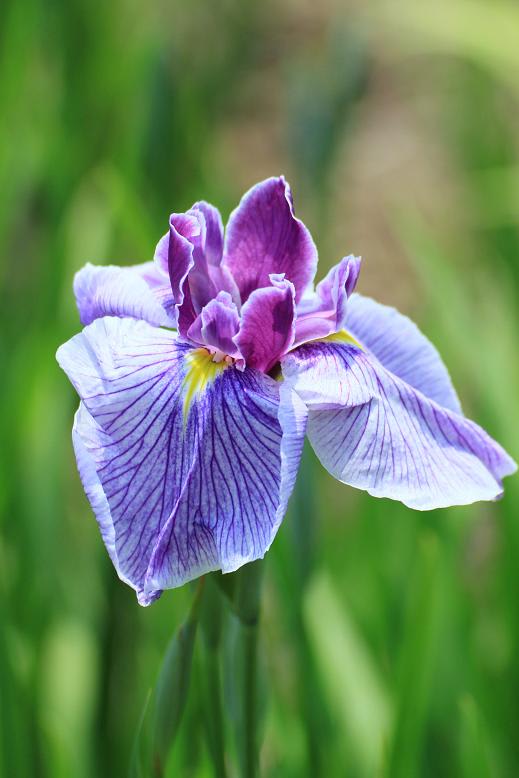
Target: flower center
{"x":201,"y":371}
{"x":220,"y":356}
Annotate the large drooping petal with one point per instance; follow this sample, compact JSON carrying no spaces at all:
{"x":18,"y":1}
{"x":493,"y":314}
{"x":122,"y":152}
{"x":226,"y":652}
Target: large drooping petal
{"x":140,"y":291}
{"x":398,"y":343}
{"x":384,"y":436}
{"x":248,"y":452}
{"x":263,"y":236}
{"x":187,"y":464}
{"x":324,"y":312}
{"x":267,"y":324}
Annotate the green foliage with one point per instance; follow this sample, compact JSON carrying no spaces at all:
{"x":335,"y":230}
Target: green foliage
{"x":388,"y":639}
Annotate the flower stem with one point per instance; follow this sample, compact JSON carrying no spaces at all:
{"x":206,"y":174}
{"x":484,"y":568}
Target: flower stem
{"x":215,"y":708}
{"x":247,"y":608}
{"x":250,"y":661}
{"x":173,"y":685}
{"x":211,"y":623}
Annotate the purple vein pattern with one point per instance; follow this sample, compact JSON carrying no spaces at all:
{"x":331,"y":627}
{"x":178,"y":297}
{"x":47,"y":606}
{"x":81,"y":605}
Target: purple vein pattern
{"x":376,"y":432}
{"x":200,"y":373}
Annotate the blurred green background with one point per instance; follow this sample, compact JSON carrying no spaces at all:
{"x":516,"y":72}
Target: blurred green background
{"x":389,"y":638}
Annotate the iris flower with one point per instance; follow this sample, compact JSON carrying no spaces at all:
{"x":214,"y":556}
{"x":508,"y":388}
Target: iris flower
{"x":200,"y":373}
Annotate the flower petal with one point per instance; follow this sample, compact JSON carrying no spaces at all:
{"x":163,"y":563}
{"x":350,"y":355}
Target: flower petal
{"x":139,"y":291}
{"x":185,"y":475}
{"x":191,"y":253}
{"x":239,"y":484}
{"x":213,"y":244}
{"x":267,"y":324}
{"x":217,"y":325}
{"x":384,"y":436}
{"x":212,"y":251}
{"x":324,"y":312}
{"x":400,"y":346}
{"x":263,"y":236}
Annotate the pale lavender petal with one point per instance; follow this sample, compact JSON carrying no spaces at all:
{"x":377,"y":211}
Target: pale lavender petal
{"x":397,"y":443}
{"x":263,"y":236}
{"x":267,"y":324}
{"x":398,"y":343}
{"x":217,"y":325}
{"x":324,"y":312}
{"x":129,"y":377}
{"x":177,"y":493}
{"x":139,"y":291}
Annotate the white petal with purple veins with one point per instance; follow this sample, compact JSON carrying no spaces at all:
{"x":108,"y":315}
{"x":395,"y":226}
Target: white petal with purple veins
{"x":185,"y":476}
{"x":384,"y":436}
{"x":397,"y":342}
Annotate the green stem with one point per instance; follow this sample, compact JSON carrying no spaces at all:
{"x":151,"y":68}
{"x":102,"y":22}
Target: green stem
{"x":211,"y":623}
{"x":247,"y":608}
{"x":215,"y":717}
{"x":173,"y":685}
{"x":250,"y":663}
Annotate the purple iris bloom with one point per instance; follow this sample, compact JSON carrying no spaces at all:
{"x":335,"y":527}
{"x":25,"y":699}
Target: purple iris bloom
{"x":200,"y":374}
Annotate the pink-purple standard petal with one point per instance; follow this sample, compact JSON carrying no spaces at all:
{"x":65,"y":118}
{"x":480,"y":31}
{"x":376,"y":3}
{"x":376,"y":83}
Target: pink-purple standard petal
{"x":264,"y":236}
{"x":324,"y":312}
{"x":267,"y":326}
{"x":216,"y":327}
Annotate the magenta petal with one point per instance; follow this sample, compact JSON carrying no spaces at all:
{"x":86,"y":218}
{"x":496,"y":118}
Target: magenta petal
{"x":180,"y":251}
{"x":217,"y":325}
{"x":263,"y":237}
{"x":174,"y":252}
{"x":324,"y":313}
{"x":213,"y":245}
{"x":267,"y":324}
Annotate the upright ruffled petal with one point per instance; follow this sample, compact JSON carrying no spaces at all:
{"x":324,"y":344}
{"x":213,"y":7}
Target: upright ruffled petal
{"x":324,"y":312}
{"x":263,"y":236}
{"x":217,"y":325}
{"x":212,"y":251}
{"x":187,"y":464}
{"x":213,"y":244}
{"x":384,"y":436}
{"x":191,"y":254}
{"x":139,"y":291}
{"x":400,"y":346}
{"x":267,"y":324}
